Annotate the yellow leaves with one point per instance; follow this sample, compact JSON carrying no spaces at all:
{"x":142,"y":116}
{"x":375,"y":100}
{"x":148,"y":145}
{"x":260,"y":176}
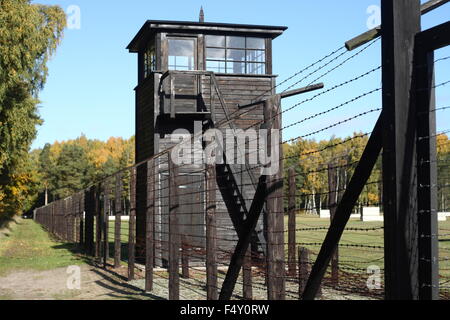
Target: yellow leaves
{"x":443,"y":144}
{"x":373,"y":198}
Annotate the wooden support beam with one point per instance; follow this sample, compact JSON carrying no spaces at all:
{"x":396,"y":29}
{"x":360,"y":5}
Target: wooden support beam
{"x":150,"y":225}
{"x":434,"y":38}
{"x":172,"y":98}
{"x":89,"y":226}
{"x":174,"y":233}
{"x":287,"y":94}
{"x":185,"y":258}
{"x":332,"y":201}
{"x":247,"y":276}
{"x":211,"y":233}
{"x":132,"y":225}
{"x":400,"y":23}
{"x":292,"y":264}
{"x":344,"y":209}
{"x":98,"y":224}
{"x":431,"y":5}
{"x":82,"y":219}
{"x":275,"y":208}
{"x":376,"y":32}
{"x":118,"y":220}
{"x":244,"y":240}
{"x":427,"y":174}
{"x":304,"y":269}
{"x":106,"y":211}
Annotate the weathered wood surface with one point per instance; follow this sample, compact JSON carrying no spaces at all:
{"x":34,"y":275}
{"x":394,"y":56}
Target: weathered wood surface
{"x":106,"y":211}
{"x":427,"y":172}
{"x":401,"y":22}
{"x":304,"y":269}
{"x":117,"y":222}
{"x":361,"y":175}
{"x":332,"y":203}
{"x":275,"y":209}
{"x":174,"y":233}
{"x":376,"y":32}
{"x":247,"y":276}
{"x":211,"y":234}
{"x":132,"y":226}
{"x":292,"y":264}
{"x":150,"y":224}
{"x":242,"y":246}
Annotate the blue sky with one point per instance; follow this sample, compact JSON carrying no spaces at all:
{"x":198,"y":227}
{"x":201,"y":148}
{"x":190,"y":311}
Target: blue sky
{"x":92,"y":76}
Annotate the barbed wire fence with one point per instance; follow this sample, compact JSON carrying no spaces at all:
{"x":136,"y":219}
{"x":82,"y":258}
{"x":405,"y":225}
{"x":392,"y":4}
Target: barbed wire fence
{"x":176,"y":244}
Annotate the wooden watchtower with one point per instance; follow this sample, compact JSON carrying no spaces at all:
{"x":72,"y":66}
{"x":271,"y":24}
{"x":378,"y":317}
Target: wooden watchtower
{"x":191,"y":73}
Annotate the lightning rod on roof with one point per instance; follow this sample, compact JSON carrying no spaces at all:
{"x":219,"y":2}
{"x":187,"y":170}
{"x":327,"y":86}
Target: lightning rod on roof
{"x":202,"y":15}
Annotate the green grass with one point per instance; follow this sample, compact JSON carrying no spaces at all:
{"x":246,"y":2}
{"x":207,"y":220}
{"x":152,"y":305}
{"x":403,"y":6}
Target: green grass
{"x":360,"y":258}
{"x":29,"y":247}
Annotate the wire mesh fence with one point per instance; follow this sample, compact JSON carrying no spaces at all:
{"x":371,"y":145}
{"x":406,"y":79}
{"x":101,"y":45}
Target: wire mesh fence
{"x":177,"y":227}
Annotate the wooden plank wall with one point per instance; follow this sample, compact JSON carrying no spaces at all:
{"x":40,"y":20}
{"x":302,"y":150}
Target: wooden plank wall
{"x":235,"y":90}
{"x":145,"y":110}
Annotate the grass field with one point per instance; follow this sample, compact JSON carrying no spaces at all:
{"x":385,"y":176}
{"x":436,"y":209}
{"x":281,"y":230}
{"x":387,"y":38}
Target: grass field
{"x":360,"y":249}
{"x":361,"y":244}
{"x":29,"y":247}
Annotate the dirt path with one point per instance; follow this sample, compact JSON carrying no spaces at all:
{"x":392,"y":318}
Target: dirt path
{"x":35,"y":267}
{"x":95,"y":284}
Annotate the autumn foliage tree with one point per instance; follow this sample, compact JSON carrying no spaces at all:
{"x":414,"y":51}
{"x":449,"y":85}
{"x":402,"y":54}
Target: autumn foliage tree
{"x":68,"y":166}
{"x":29,"y":35}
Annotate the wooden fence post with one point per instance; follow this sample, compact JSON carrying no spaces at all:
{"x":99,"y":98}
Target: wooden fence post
{"x":247,"y":275}
{"x":52,"y":218}
{"x":106,"y":210}
{"x":400,"y":23}
{"x":150,"y":216}
{"x":118,"y":221}
{"x":275,"y":206}
{"x":427,"y":167}
{"x":73,"y":216}
{"x":174,"y":234}
{"x":332,"y":202}
{"x":132,"y":225}
{"x":185,"y":258}
{"x":292,"y":265}
{"x":82,"y":220}
{"x":304,"y":269}
{"x":66,"y":220}
{"x":98,"y":223}
{"x":211,"y":233}
{"x":76,"y":218}
{"x":89,"y":221}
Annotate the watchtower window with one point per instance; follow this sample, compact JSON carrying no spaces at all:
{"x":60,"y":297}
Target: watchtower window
{"x":181,"y":54}
{"x":230,"y":54}
{"x":149,"y":60}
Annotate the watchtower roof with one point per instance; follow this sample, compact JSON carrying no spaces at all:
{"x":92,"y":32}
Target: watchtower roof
{"x":152,"y":26}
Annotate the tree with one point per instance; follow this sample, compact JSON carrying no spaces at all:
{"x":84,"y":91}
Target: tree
{"x":46,"y":168}
{"x":73,"y":171}
{"x":29,"y":35}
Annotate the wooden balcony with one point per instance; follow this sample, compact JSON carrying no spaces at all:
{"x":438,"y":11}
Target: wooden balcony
{"x":187,"y":93}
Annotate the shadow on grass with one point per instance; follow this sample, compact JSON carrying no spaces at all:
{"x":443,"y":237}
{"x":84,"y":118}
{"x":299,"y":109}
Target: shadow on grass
{"x":5,"y":222}
{"x":111,"y":280}
{"x":118,"y":284}
{"x":76,"y":250}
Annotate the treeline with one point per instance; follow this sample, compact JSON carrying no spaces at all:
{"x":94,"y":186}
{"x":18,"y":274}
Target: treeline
{"x":29,"y":35}
{"x":63,"y":168}
{"x":313,"y":159}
